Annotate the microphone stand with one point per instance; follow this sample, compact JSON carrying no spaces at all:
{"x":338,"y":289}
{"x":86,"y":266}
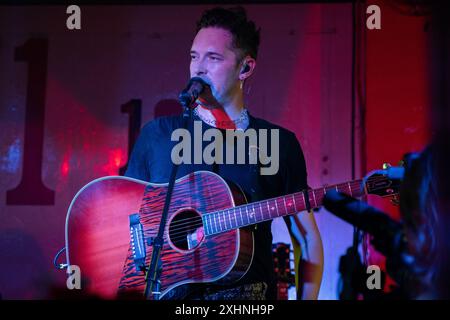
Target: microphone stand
{"x":153,"y":282}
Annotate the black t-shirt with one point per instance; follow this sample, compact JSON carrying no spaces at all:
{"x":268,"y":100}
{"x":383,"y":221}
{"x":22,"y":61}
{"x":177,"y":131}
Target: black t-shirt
{"x":151,"y":161}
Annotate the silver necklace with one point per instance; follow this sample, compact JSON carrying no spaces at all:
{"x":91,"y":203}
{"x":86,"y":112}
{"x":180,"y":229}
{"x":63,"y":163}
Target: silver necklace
{"x":243,"y":118}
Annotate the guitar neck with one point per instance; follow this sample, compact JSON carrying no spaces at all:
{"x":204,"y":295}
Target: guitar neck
{"x":256,"y":212}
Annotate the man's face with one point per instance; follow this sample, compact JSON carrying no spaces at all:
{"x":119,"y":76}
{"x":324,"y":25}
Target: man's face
{"x":214,"y":59}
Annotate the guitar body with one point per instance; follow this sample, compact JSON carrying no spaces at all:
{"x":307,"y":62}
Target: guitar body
{"x":98,"y":234}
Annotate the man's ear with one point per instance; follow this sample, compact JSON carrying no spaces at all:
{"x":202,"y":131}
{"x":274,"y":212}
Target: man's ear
{"x":247,"y":68}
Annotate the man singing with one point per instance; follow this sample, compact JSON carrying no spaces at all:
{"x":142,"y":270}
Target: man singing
{"x":223,"y":54}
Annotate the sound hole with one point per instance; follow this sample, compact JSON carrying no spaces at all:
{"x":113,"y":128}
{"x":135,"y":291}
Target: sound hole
{"x":186,"y":230}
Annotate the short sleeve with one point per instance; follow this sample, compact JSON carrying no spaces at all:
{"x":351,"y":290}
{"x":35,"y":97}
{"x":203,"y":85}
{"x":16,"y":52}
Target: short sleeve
{"x":295,"y":176}
{"x":139,"y":159}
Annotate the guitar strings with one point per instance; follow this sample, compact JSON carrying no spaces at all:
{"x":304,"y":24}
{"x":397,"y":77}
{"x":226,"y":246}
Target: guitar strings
{"x":180,"y":232}
{"x":195,"y":222}
{"x":181,"y":228}
{"x":273,"y":199}
{"x":252,"y":203}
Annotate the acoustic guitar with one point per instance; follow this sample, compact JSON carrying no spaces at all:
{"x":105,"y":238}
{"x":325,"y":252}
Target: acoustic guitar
{"x":112,"y":221}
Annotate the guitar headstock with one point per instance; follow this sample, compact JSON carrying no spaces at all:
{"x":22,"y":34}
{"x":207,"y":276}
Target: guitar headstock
{"x":386,"y":182}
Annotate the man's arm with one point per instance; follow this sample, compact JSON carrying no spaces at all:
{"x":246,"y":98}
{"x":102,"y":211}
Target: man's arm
{"x":308,"y":250}
{"x":308,"y":254}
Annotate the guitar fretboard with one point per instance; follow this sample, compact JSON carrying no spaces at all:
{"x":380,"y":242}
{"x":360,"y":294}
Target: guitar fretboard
{"x":256,"y":212}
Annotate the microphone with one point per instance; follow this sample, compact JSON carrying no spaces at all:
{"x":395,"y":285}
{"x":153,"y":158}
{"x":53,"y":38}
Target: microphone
{"x":388,"y":235}
{"x":194,"y":88}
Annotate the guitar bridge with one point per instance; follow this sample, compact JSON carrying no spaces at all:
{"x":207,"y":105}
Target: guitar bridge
{"x":137,"y":242}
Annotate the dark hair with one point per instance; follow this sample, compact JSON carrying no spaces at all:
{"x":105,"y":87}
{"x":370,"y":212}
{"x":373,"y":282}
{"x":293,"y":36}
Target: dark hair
{"x":419,"y":202}
{"x":245,"y":35}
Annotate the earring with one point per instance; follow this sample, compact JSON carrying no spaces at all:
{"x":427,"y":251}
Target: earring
{"x":242,"y":82}
{"x":249,"y":87}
